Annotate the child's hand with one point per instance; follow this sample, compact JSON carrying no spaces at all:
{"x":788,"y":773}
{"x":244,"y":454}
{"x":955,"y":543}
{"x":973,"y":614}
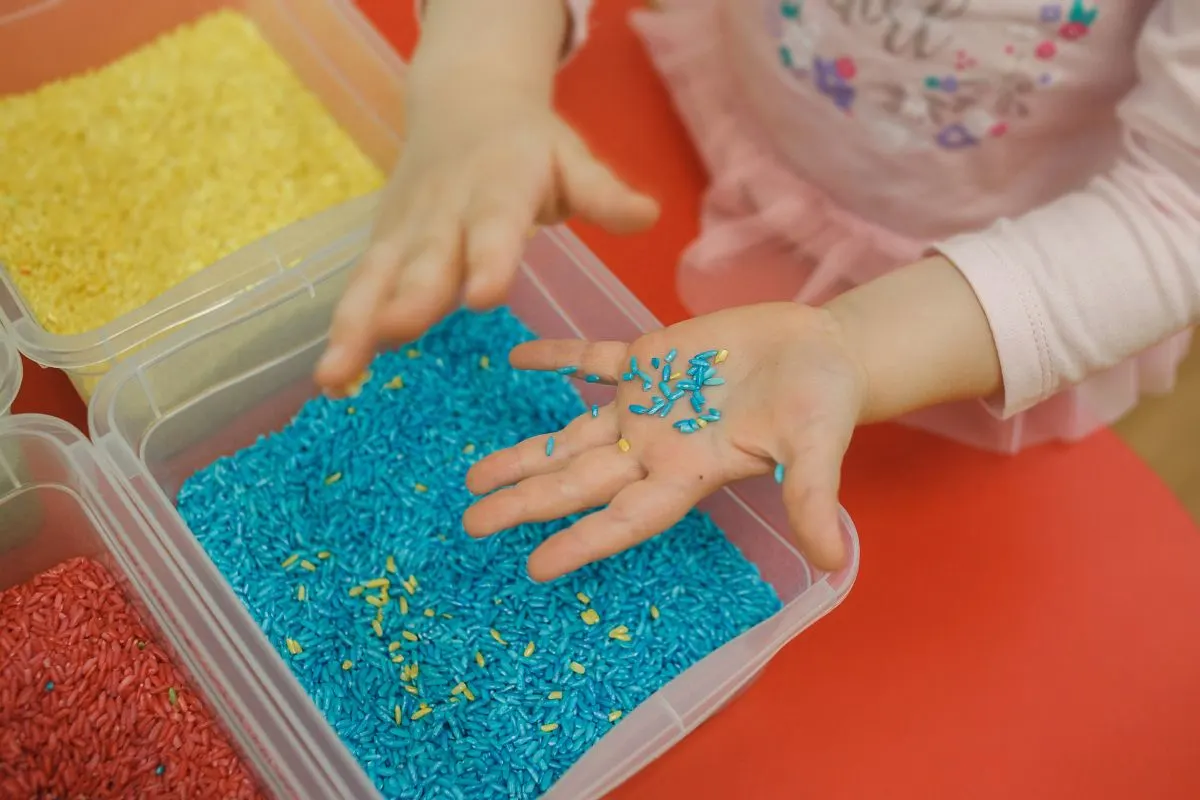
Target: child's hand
{"x":478,"y":170}
{"x":792,"y":395}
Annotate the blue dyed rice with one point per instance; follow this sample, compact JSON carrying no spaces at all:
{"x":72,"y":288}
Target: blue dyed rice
{"x":254,"y":509}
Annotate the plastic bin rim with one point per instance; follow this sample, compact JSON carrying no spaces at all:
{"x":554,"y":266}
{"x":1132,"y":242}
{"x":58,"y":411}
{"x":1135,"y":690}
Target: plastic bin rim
{"x":13,"y":370}
{"x":60,"y":433}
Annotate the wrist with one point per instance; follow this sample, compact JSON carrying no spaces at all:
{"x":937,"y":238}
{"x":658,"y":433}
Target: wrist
{"x":921,"y":338}
{"x":451,"y":85}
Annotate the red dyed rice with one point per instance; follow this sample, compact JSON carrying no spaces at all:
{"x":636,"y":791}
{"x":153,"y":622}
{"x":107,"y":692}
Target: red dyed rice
{"x":108,"y":723}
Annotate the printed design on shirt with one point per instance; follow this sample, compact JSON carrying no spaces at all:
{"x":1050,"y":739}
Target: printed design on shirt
{"x":968,"y":98}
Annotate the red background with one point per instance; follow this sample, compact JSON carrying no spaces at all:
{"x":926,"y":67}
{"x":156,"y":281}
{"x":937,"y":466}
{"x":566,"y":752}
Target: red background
{"x":1021,"y":627}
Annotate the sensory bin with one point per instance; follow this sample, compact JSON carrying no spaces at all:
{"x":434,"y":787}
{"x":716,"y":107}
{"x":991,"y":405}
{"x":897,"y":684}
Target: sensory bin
{"x":90,"y":705}
{"x":441,"y":666}
{"x":102,"y":208}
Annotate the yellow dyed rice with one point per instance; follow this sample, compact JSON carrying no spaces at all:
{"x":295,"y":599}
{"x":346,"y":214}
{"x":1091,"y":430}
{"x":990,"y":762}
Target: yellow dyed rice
{"x":119,"y":183}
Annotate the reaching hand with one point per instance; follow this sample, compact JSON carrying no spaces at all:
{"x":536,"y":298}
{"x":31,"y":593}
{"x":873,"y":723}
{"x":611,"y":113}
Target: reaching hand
{"x":785,"y":391}
{"x":472,"y":181}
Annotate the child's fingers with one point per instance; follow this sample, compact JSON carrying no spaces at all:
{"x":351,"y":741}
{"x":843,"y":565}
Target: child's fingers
{"x":426,"y":288}
{"x":494,"y":248}
{"x":589,"y":480}
{"x":605,"y":360}
{"x":593,"y":192}
{"x":640,"y":510}
{"x":351,"y":336}
{"x":535,"y":456}
{"x":497,"y":224}
{"x":810,"y":492}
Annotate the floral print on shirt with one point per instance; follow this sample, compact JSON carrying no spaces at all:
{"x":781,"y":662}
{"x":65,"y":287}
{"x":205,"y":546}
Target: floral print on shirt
{"x":954,"y":97}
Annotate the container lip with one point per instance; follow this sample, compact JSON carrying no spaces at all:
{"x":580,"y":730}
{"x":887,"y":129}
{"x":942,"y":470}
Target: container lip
{"x":11,"y":370}
{"x":199,"y":295}
{"x":77,"y":351}
{"x":354,"y":17}
{"x":843,"y":580}
{"x":62,"y":434}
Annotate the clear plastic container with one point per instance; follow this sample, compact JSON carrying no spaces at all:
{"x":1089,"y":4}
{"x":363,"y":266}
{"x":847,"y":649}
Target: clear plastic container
{"x":60,"y":500}
{"x":160,"y":421}
{"x":10,"y":371}
{"x":328,"y":43}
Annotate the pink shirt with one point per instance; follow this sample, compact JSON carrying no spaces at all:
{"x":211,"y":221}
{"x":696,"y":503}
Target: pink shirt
{"x":1049,"y":148}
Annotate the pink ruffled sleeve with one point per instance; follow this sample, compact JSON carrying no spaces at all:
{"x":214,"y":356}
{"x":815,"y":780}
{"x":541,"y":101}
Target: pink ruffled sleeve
{"x":1098,"y":275}
{"x":577,"y":23}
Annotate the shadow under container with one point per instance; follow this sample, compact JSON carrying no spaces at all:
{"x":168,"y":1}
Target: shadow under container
{"x":60,"y":500}
{"x":329,"y":44}
{"x":160,"y":423}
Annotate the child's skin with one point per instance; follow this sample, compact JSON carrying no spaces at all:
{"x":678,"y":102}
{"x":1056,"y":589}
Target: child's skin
{"x":485,"y":159}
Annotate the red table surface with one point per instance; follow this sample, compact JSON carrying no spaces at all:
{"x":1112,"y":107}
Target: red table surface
{"x":1021,"y":627}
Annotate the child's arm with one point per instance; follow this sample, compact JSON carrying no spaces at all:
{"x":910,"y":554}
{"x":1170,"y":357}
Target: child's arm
{"x":484,"y":158}
{"x":920,"y":337}
{"x":1064,"y":291}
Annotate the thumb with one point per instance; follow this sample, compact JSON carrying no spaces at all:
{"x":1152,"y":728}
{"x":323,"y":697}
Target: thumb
{"x":811,"y":478}
{"x":592,"y":191}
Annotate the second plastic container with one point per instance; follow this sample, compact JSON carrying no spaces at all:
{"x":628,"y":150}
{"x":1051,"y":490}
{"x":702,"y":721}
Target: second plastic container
{"x":245,"y":370}
{"x":330,"y":46}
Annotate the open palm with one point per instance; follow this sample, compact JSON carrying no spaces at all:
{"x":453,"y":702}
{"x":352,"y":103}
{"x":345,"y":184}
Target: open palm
{"x":786,"y":393}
